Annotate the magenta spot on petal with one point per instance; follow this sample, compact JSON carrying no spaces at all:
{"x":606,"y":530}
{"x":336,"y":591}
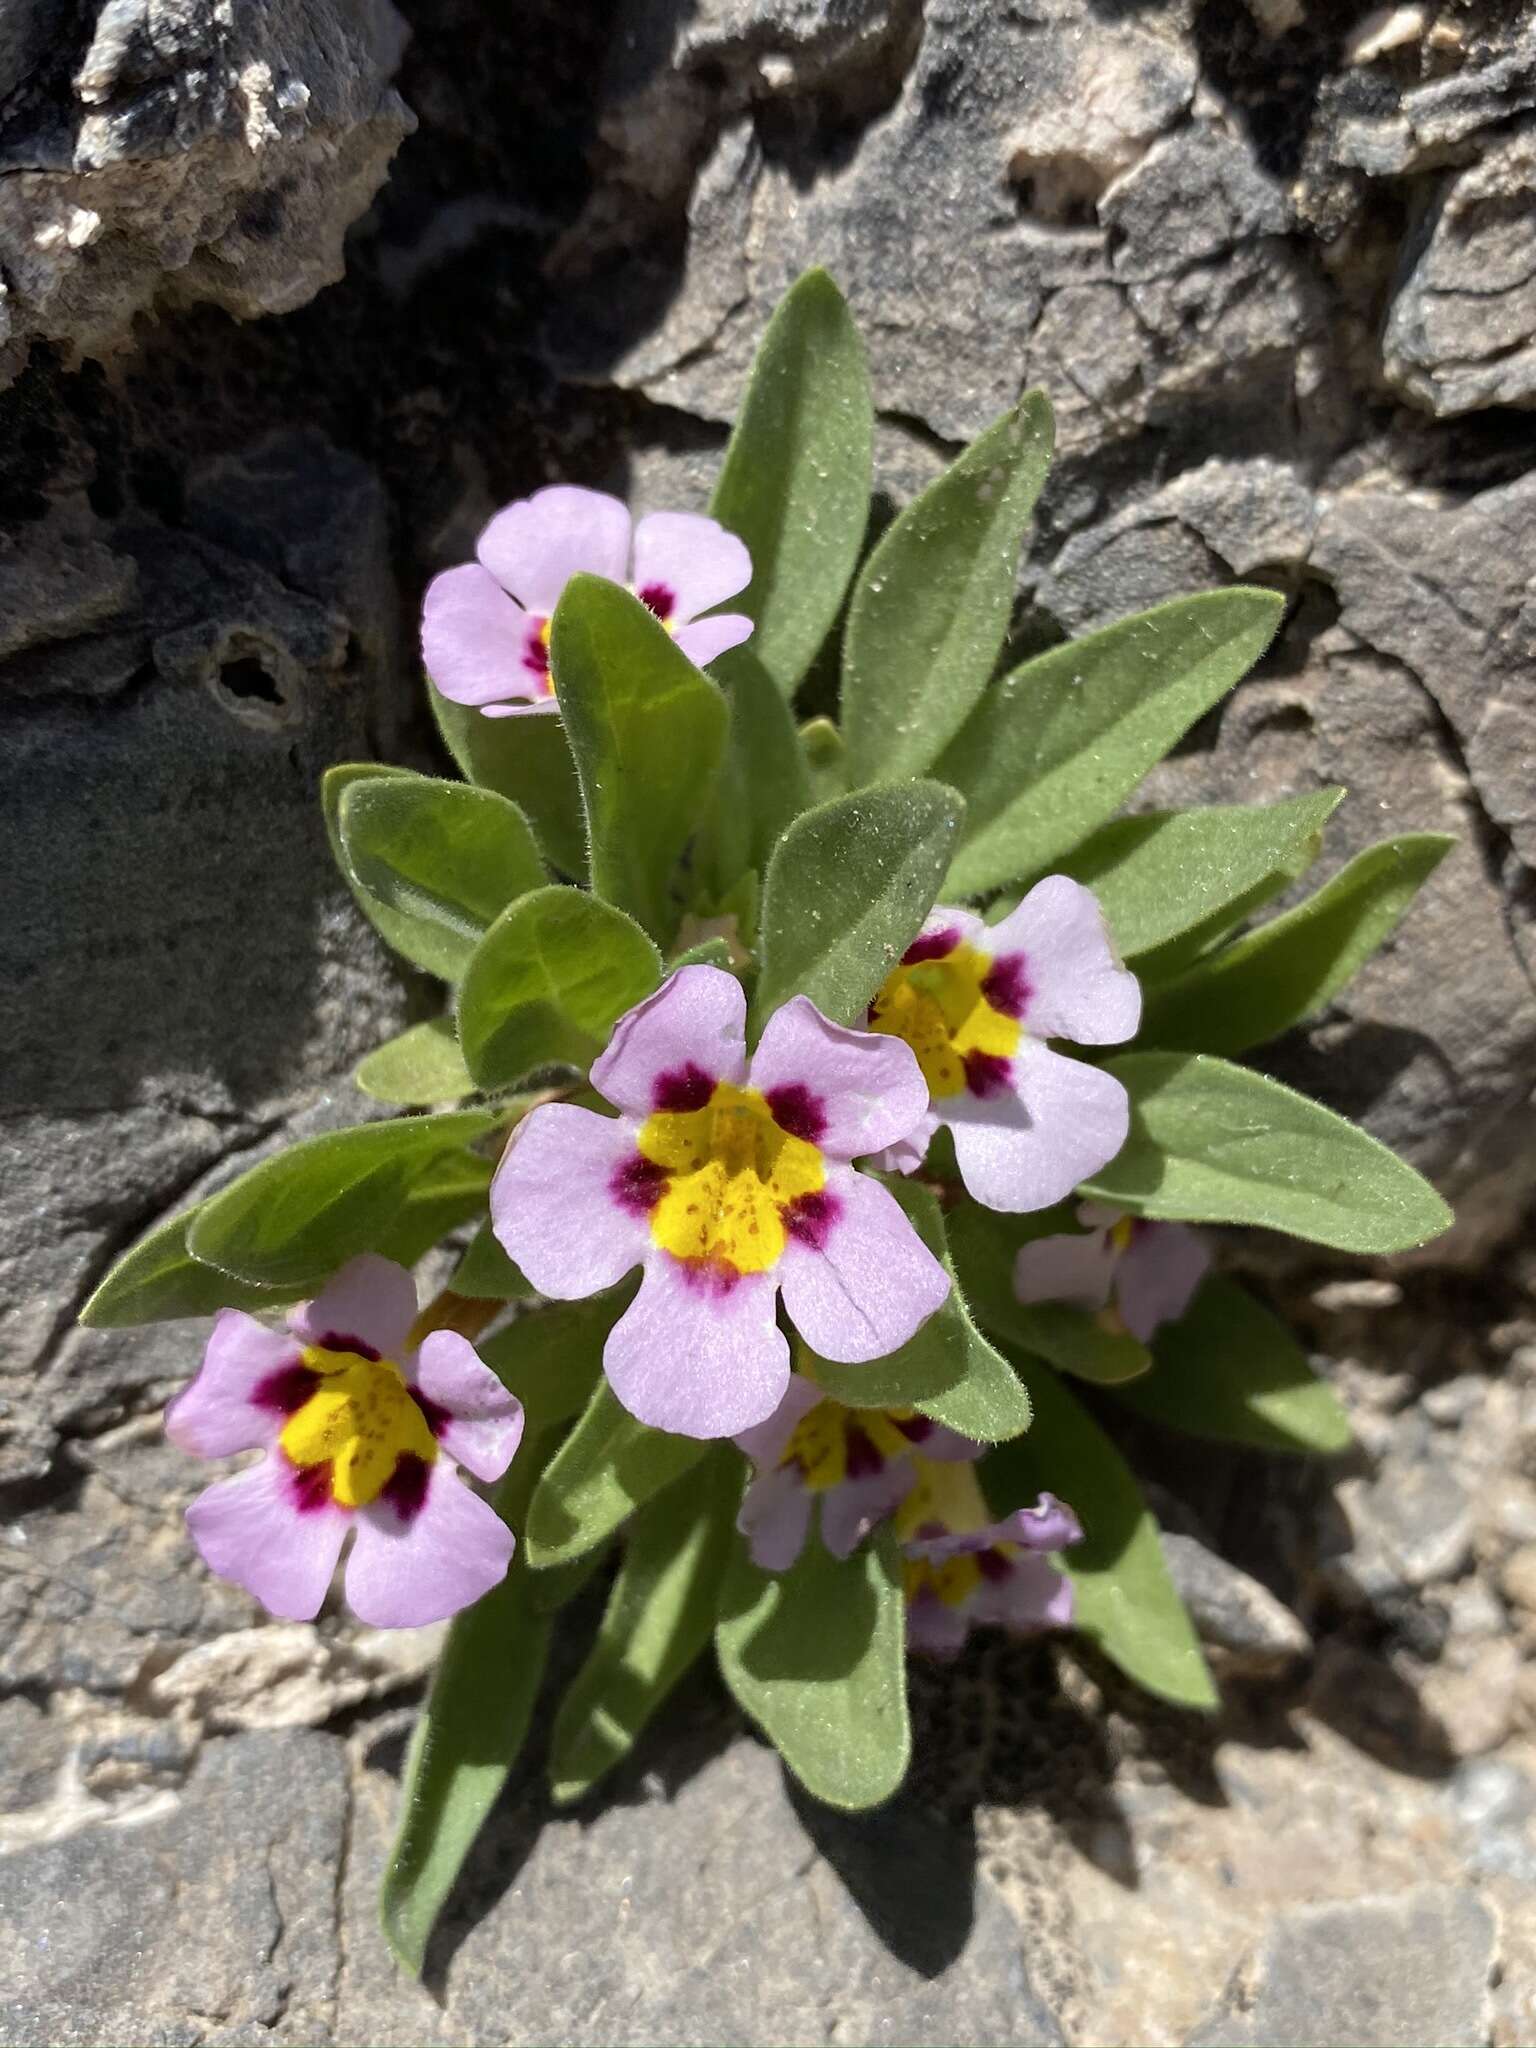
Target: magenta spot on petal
{"x":406,"y":1487}
{"x":986,"y":1075}
{"x":309,"y":1487}
{"x":809,"y":1218}
{"x":863,"y":1458}
{"x":915,"y":1428}
{"x":994,"y":1564}
{"x":931,"y":946}
{"x":286,"y":1390}
{"x":342,"y":1340}
{"x":536,"y":650}
{"x":796,"y":1110}
{"x":433,"y":1413}
{"x":715,"y":1278}
{"x":657,"y":598}
{"x":1007,"y":985}
{"x":637,"y":1184}
{"x":684,"y":1088}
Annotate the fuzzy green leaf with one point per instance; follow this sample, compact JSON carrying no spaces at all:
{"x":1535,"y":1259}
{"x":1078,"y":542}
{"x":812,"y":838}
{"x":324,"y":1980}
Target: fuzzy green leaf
{"x":485,"y":1273}
{"x":946,"y":1370}
{"x":1231,"y":1371}
{"x":984,"y":1245}
{"x":795,"y":481}
{"x":846,"y":892}
{"x":647,"y":730}
{"x":1291,"y":967}
{"x":157,"y":1280}
{"x":771,"y":772}
{"x":398,"y":929}
{"x":527,"y":760}
{"x":1126,"y":1602}
{"x":552,"y":1357}
{"x":421,"y":1067}
{"x":547,"y":984}
{"x":1214,"y":1143}
{"x":660,"y":1617}
{"x":826,"y":759}
{"x":605,"y":1468}
{"x":931,"y":605}
{"x":292,"y":1220}
{"x":817,"y":1657}
{"x":448,"y":1192}
{"x":1054,"y":747}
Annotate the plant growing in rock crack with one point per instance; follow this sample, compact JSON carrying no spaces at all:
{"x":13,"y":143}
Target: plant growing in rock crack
{"x":832,"y":1102}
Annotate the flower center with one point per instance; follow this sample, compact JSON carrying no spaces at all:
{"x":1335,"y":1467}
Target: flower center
{"x":947,"y":1501}
{"x":357,"y":1416}
{"x":736,"y":1183}
{"x":536,"y":654}
{"x":832,"y":1443}
{"x":958,"y":1009}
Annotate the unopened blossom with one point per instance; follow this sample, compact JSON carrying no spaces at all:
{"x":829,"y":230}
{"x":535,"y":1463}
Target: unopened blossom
{"x":363,"y":1436}
{"x":485,"y":625}
{"x":858,"y":1464}
{"x":729,"y":1181}
{"x":976,"y":1003}
{"x":1132,"y":1272}
{"x":961,"y":1568}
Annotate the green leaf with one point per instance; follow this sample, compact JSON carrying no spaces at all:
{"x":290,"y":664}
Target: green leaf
{"x":984,"y":1245}
{"x":157,"y":1280}
{"x":1230,"y":1370}
{"x":527,"y":760}
{"x":795,"y":481}
{"x":292,"y":1220}
{"x":605,"y":1468}
{"x":421,"y":1067}
{"x":552,"y":1357}
{"x":771,"y":770}
{"x":817,"y":1657}
{"x":1214,"y":1143}
{"x":826,"y":759}
{"x":466,"y":1740}
{"x":660,"y":1617}
{"x":846,"y":892}
{"x":548,"y":982}
{"x":1056,"y":745}
{"x":396,"y":928}
{"x":447,"y":1192}
{"x":1291,"y":967}
{"x":1165,"y":872}
{"x":647,"y":730}
{"x":707,"y":953}
{"x":441,"y":858}
{"x":1126,"y":1602}
{"x":485,"y":1273}
{"x":932,"y":603}
{"x":947,"y":1369}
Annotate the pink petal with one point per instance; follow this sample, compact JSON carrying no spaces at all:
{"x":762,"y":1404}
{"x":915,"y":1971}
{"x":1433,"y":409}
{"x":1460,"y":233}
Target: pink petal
{"x":850,"y":1511}
{"x":250,"y":1530}
{"x":370,"y":1298}
{"x":484,"y":1423}
{"x":1077,"y":988}
{"x":1028,"y":1149}
{"x":767,"y":1442}
{"x":854,"y":1091}
{"x":705,"y":640}
{"x":558,"y":1202}
{"x":907,"y":1154}
{"x":934,"y":1628}
{"x":694,"y":559}
{"x":535,"y":546}
{"x":1033,"y":1596}
{"x":404,"y":1573}
{"x":675,"y":1045}
{"x":775,"y":1518}
{"x":698,"y":1351}
{"x":861,"y":1281}
{"x":1076,"y":1270}
{"x":1159,"y":1274}
{"x":218,"y":1413}
{"x":472,"y":637}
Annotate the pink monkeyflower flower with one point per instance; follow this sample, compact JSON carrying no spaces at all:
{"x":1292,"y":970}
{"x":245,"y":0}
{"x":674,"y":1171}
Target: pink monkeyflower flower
{"x":363,"y":1433}
{"x":962,"y":1569}
{"x":1134,"y":1273}
{"x":859,"y":1464}
{"x":485,"y":625}
{"x":976,"y":1003}
{"x":730,"y":1181}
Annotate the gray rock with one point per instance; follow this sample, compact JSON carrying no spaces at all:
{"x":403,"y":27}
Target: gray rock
{"x":1411,"y":1524}
{"x":1238,"y":1618}
{"x":1385,"y":1972}
{"x":199,"y":153}
{"x":213,"y":1923}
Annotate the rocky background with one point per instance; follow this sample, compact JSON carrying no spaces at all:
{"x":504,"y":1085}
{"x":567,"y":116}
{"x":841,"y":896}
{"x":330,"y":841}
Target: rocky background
{"x":292,"y":295}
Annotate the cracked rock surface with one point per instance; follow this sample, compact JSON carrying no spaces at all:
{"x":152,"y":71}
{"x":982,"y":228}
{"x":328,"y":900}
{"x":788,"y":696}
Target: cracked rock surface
{"x":294,"y":295}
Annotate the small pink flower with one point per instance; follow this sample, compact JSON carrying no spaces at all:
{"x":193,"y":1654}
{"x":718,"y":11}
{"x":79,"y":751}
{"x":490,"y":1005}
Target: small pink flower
{"x":960,"y":1569}
{"x":485,"y":626}
{"x":362,"y":1433}
{"x":730,"y":1181}
{"x":1132,"y":1269}
{"x":976,"y":1003}
{"x":858,"y":1463}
